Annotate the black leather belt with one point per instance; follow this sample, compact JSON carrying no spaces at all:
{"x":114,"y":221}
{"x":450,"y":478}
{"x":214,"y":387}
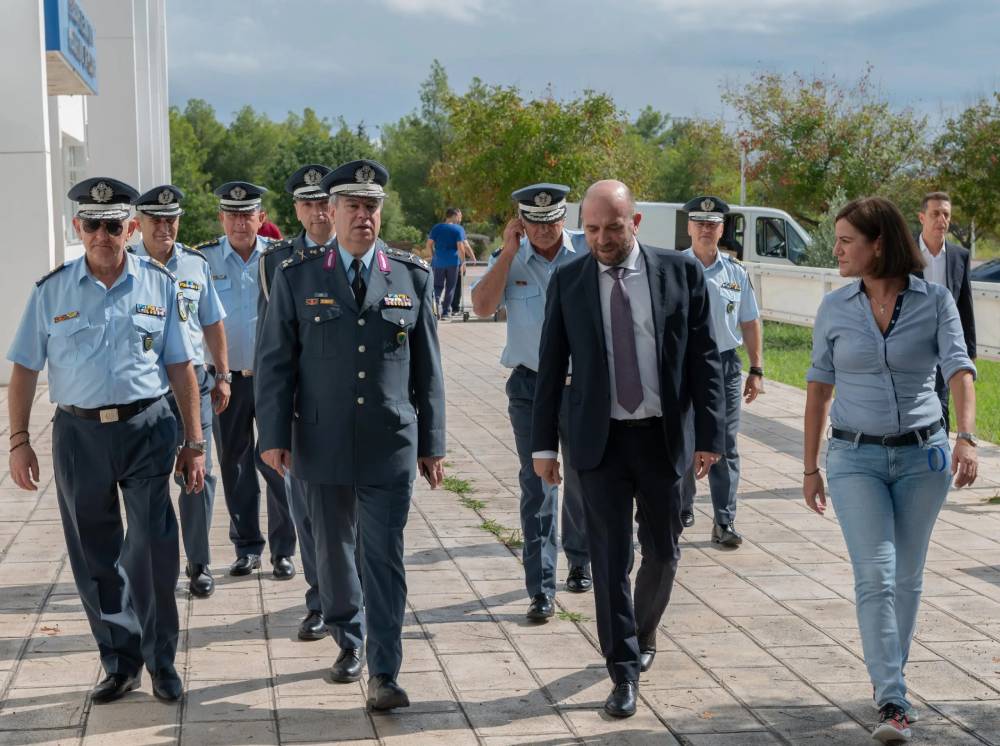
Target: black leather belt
{"x":107,"y":415}
{"x":912,"y":438}
{"x":644,"y":422}
{"x":525,"y":370}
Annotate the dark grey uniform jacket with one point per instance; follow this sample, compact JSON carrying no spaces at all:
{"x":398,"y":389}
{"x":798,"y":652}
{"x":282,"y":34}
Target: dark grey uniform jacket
{"x":355,"y":394}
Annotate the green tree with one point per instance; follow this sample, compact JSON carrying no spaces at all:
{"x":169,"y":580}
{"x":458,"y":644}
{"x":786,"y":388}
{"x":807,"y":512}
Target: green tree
{"x":809,"y":137}
{"x":696,"y":157}
{"x":967,"y":156}
{"x":820,"y":252}
{"x":187,"y":161}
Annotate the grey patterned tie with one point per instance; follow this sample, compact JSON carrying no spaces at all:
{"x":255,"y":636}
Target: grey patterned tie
{"x":628,"y":385}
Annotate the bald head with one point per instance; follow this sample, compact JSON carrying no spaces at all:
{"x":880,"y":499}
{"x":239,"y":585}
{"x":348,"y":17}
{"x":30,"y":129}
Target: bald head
{"x":610,"y":222}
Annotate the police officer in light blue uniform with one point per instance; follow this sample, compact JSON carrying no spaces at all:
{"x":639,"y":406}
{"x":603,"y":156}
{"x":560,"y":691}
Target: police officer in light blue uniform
{"x":110,"y":327}
{"x":234,"y":259}
{"x":736,"y":321}
{"x":312,"y":208}
{"x":534,"y":244}
{"x":158,"y":214}
{"x":351,"y":398}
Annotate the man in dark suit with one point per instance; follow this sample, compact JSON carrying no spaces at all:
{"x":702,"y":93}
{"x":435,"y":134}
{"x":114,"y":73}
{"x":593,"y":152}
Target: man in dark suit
{"x":352,"y":400}
{"x":947,"y":264}
{"x":646,"y":399}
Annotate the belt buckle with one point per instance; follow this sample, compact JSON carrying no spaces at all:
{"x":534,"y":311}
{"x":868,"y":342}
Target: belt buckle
{"x":246,"y":372}
{"x":109,"y":415}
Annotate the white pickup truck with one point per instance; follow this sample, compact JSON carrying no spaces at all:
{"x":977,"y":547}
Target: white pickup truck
{"x":754,"y":234}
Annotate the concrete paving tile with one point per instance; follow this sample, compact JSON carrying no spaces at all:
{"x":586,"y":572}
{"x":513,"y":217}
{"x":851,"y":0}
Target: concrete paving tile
{"x":512,"y":713}
{"x":942,"y":681}
{"x":43,"y":707}
{"x":642,"y":729}
{"x":695,"y":619}
{"x":303,"y":719}
{"x":725,"y":650}
{"x":421,"y":729}
{"x":814,"y":725}
{"x":673,"y":669}
{"x":937,"y":626}
{"x":558,"y":649}
{"x":67,"y":669}
{"x":743,"y":738}
{"x":259,"y":733}
{"x":973,"y":609}
{"x":710,"y":710}
{"x":432,"y":581}
{"x":468,"y":637}
{"x":823,"y":663}
{"x":212,"y":701}
{"x":771,"y":686}
{"x":478,"y":671}
{"x":787,"y":630}
{"x":978,"y":657}
{"x":229,"y":661}
{"x":835,"y":612}
{"x":576,"y":687}
{"x":293,"y":647}
{"x":242,"y":601}
{"x":979,"y":717}
{"x":151,"y":735}
{"x":56,"y":737}
{"x":418,"y":655}
{"x":307,"y":677}
{"x":16,"y":624}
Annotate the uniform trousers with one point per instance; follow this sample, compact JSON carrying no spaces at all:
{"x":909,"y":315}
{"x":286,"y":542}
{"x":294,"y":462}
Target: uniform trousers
{"x":634,"y":465}
{"x":724,"y":474}
{"x":299,"y":507}
{"x":196,"y":508}
{"x":372,"y":516}
{"x":238,"y":455}
{"x":540,"y":501}
{"x":126,"y":580}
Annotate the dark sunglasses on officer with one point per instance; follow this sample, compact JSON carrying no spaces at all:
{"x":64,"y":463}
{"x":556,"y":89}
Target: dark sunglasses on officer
{"x":113,"y":227}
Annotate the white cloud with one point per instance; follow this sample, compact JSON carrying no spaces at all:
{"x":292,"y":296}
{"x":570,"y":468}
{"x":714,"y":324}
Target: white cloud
{"x":773,"y":15}
{"x":221,"y":62}
{"x":465,"y":11}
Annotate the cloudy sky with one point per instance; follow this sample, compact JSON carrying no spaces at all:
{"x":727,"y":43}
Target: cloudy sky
{"x":364,"y":59}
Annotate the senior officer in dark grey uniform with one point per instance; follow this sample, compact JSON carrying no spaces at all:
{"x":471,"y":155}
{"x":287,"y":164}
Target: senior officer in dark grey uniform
{"x":312,"y":208}
{"x":351,"y":398}
{"x":109,"y":325}
{"x":158,"y":214}
{"x":234,"y":260}
{"x":535,"y":243}
{"x":736,"y":321}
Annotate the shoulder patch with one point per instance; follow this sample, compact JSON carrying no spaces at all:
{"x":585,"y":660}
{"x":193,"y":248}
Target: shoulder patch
{"x":192,"y":251}
{"x":496,"y":253}
{"x":303,"y":255}
{"x":406,"y":256}
{"x":58,"y":269}
{"x":207,"y":244}
{"x":158,"y":265}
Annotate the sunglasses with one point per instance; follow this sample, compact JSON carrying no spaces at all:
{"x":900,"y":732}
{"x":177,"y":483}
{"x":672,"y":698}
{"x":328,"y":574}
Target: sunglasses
{"x":113,"y":227}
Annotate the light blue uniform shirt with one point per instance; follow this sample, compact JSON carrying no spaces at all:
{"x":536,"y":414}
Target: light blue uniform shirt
{"x":236,"y":283}
{"x":731,"y":299}
{"x":194,"y":277}
{"x":103,"y":346}
{"x":347,"y":259}
{"x":885,"y":386}
{"x":524,"y":297}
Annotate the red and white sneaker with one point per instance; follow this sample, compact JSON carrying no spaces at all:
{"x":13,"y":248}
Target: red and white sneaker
{"x":911,"y":712}
{"x":892,"y":726}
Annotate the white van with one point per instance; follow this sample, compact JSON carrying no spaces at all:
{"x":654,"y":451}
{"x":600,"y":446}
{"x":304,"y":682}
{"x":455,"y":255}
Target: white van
{"x":754,"y":234}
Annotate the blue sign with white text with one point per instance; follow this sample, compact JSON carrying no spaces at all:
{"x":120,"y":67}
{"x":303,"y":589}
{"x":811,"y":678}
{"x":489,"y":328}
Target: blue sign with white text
{"x":69,"y":32}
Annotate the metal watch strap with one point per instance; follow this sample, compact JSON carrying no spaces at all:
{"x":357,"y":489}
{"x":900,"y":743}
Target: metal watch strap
{"x":195,"y":445}
{"x":969,"y":437}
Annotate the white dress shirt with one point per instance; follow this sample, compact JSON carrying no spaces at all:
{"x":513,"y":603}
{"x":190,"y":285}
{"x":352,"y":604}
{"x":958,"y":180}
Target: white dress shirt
{"x":936,"y":270}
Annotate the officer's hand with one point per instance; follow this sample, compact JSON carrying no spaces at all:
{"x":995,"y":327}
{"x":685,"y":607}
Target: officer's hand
{"x":432,"y":469}
{"x":703,"y":461}
{"x":24,"y":467}
{"x":279,"y":459}
{"x":813,"y":492}
{"x":964,"y":463}
{"x":191,"y":464}
{"x":220,"y":397}
{"x":548,"y":470}
{"x":512,"y":234}
{"x":754,"y":387}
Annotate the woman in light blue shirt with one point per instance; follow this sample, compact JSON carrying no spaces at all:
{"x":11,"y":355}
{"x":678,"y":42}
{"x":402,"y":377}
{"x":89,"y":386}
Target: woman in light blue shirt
{"x":879,"y":341}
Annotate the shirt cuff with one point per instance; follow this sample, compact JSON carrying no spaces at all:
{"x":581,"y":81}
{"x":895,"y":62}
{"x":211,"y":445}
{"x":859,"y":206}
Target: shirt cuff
{"x":817,"y":375}
{"x":544,"y":454}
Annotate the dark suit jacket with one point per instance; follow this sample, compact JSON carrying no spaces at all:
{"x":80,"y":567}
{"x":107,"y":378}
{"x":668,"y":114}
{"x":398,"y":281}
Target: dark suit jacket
{"x":957,"y":274}
{"x":691,"y":382}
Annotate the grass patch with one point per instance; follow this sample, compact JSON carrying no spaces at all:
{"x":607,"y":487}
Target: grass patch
{"x":472,"y":503}
{"x":995,"y":500}
{"x":788,"y":348}
{"x":510,"y":537}
{"x":571,"y":616}
{"x":456,"y":485}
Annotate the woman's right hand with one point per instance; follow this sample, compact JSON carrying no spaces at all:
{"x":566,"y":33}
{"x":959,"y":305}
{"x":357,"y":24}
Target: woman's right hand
{"x":813,"y":492}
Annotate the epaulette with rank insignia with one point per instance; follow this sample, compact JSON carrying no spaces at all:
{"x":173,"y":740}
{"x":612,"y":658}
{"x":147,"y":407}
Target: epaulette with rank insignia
{"x":303,"y":255}
{"x":159,"y":265}
{"x":406,"y":256}
{"x":207,"y":244}
{"x":191,"y":250}
{"x":282,"y":244}
{"x":58,"y":269}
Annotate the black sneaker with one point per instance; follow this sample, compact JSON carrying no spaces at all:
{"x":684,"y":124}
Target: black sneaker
{"x":892,"y":726}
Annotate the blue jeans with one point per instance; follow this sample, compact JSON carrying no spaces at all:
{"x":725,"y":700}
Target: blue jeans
{"x":445,"y":279}
{"x":887,"y":500}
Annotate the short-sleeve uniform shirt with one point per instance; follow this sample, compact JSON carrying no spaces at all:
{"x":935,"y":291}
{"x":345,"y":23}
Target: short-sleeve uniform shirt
{"x":731,"y":299}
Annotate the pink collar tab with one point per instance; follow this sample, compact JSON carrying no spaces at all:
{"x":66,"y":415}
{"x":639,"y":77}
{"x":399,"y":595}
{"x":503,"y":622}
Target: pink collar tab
{"x":383,"y":261}
{"x":331,"y":260}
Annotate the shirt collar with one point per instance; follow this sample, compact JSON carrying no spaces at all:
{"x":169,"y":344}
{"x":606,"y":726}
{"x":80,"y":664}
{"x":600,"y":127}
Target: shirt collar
{"x":310,"y":243}
{"x":228,"y":250}
{"x":141,"y":250}
{"x":529,"y":250}
{"x":631,"y":262}
{"x":718,"y":258}
{"x":131,"y":268}
{"x":348,"y":258}
{"x":925,"y":250}
{"x":914,"y":283}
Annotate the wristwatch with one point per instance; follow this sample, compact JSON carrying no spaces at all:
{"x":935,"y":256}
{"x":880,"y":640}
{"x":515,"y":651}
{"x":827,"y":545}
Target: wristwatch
{"x":755,"y":371}
{"x":227,"y":376}
{"x":194,"y":445}
{"x":969,"y":437}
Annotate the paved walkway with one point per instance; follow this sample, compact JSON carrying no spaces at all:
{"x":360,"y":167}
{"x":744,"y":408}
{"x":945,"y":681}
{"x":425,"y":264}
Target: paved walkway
{"x":759,"y":645}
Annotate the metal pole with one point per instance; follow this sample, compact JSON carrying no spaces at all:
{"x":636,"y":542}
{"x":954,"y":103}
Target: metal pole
{"x":743,"y":174}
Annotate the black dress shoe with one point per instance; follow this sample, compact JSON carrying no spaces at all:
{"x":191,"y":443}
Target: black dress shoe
{"x":646,"y":656}
{"x":621,"y":702}
{"x":578,"y":580}
{"x":167,"y":685}
{"x":687,"y":518}
{"x":348,"y":666}
{"x":283,"y":567}
{"x":202,"y":584}
{"x":385,"y":694}
{"x":726,"y":535}
{"x":245,"y":565}
{"x":540,"y":609}
{"x":312,"y":627}
{"x":115,"y":686}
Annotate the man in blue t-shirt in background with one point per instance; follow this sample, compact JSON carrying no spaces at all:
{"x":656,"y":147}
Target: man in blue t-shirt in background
{"x":448,"y":246}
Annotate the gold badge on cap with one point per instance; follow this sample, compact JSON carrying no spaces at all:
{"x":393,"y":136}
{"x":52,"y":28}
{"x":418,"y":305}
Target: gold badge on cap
{"x":365,"y":175}
{"x":238,"y":192}
{"x":165,"y":197}
{"x":543,"y":199}
{"x":707,"y":205}
{"x":312,"y":177}
{"x":101,"y":192}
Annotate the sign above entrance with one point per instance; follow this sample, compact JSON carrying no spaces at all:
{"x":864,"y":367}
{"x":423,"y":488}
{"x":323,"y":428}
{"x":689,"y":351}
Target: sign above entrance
{"x":70,"y":49}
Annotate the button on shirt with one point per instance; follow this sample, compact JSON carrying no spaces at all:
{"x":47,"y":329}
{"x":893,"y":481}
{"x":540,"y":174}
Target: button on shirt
{"x":524,"y":298}
{"x":937,"y":267}
{"x":731,"y":299}
{"x":236,"y":283}
{"x":885,"y":385}
{"x":194,"y":277}
{"x":103,"y":346}
{"x":636,"y":282}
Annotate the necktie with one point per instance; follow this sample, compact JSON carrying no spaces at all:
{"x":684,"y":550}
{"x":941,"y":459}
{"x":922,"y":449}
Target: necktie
{"x":628,"y":385}
{"x":358,"y":286}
